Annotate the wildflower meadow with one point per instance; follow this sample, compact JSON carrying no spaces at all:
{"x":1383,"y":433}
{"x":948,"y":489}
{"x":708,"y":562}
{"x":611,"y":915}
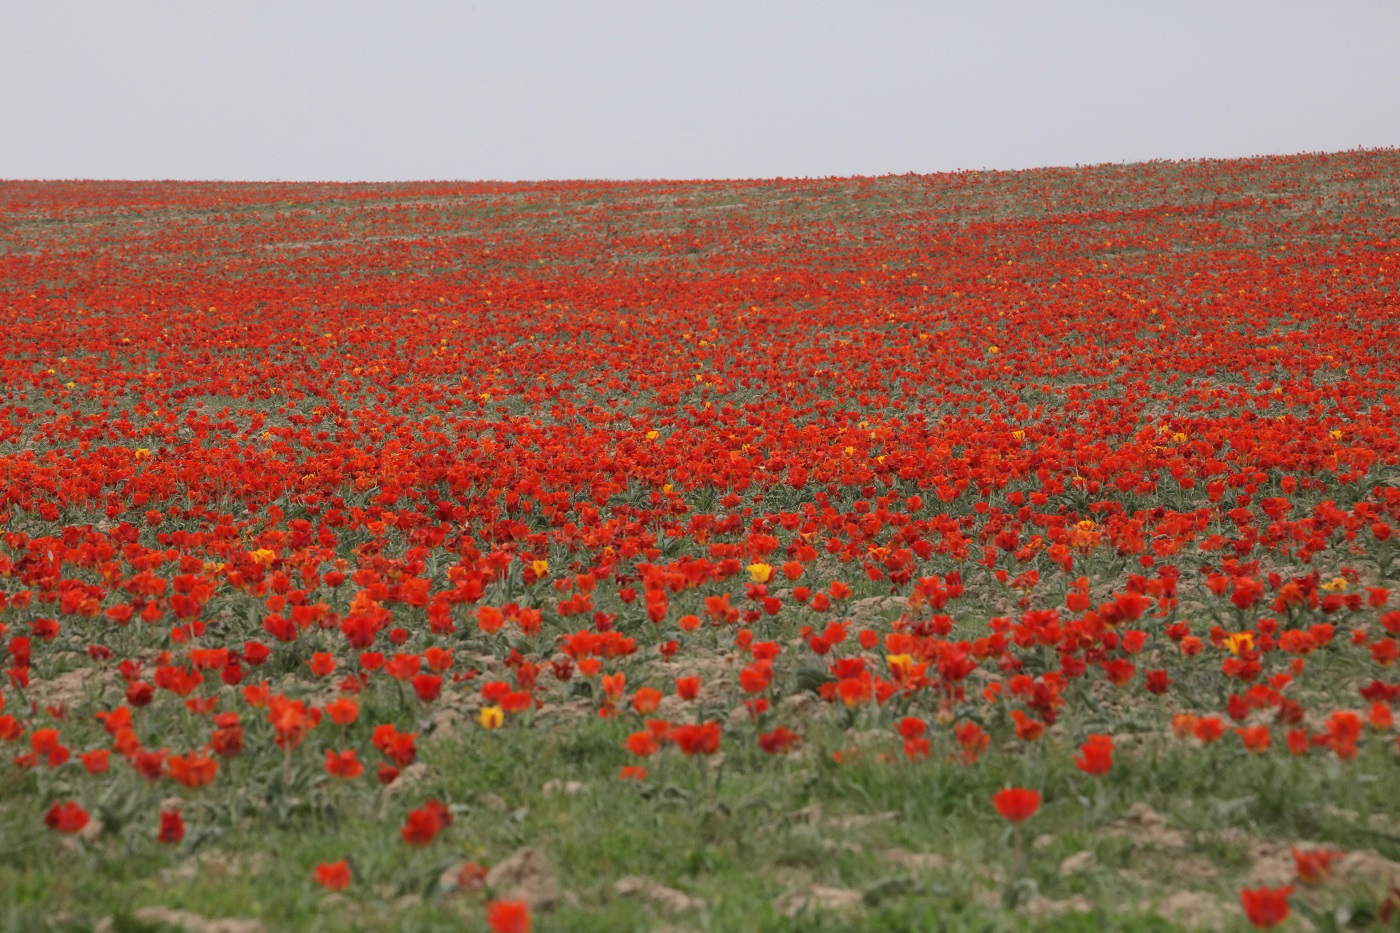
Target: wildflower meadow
{"x":969,"y":551}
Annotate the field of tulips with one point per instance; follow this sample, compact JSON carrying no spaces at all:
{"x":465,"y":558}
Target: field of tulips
{"x":971,"y":551}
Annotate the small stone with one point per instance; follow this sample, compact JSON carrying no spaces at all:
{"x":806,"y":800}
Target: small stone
{"x":91,"y":831}
{"x":797,"y":705}
{"x":1040,"y":906}
{"x":818,"y":898}
{"x":525,"y":876}
{"x":667,"y":899}
{"x":1076,"y":863}
{"x":917,"y":861}
{"x":408,"y":777}
{"x":192,"y":922}
{"x":842,"y":845}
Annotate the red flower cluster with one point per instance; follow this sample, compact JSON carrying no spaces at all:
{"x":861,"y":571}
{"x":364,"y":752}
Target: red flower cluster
{"x":275,"y":492}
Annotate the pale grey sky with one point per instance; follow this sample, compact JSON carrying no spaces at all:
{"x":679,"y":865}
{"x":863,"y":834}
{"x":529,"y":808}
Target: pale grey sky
{"x":344,"y":90}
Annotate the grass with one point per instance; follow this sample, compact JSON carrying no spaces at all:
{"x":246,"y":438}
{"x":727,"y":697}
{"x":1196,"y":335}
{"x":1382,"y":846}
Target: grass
{"x":735,"y":833}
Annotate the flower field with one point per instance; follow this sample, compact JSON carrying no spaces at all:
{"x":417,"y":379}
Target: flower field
{"x":971,"y":551}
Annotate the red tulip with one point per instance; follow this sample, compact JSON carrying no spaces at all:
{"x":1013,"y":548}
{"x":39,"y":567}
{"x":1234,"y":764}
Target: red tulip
{"x":334,"y":876}
{"x":172,"y":826}
{"x":508,"y":916}
{"x":66,"y":817}
{"x":1096,"y":755}
{"x":1266,"y":907}
{"x":1017,"y":804}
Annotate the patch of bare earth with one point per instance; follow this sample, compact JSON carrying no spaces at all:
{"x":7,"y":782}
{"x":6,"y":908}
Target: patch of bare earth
{"x":1147,"y":828}
{"x":191,"y":922}
{"x":1272,"y":864}
{"x":1193,"y":910}
{"x":214,"y":867}
{"x":526,"y":876}
{"x":1041,"y":908}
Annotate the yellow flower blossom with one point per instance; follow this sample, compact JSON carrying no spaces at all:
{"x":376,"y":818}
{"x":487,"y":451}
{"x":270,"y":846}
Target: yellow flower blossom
{"x":1239,"y":641}
{"x":760,"y":572}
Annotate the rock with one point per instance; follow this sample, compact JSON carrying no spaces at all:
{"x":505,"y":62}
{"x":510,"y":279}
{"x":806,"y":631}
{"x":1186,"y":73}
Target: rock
{"x":818,"y":898}
{"x":1041,"y":906}
{"x":1076,"y":863}
{"x":494,"y":802}
{"x":192,"y":922}
{"x":872,"y":607}
{"x":657,"y":894}
{"x":672,"y":708}
{"x":91,"y":831}
{"x":917,"y":861}
{"x":408,"y":777}
{"x":842,"y":845}
{"x":797,"y":705}
{"x":525,"y":876}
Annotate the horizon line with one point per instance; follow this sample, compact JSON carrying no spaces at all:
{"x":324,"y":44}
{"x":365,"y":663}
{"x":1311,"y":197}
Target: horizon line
{"x":605,"y":180}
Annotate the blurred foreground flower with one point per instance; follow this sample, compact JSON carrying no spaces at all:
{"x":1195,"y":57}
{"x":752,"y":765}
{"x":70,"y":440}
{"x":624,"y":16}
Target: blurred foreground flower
{"x":1266,"y":907}
{"x":1017,"y":804}
{"x":508,"y":916}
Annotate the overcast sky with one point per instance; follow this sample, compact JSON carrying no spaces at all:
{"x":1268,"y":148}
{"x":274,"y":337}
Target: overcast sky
{"x":414,"y":89}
